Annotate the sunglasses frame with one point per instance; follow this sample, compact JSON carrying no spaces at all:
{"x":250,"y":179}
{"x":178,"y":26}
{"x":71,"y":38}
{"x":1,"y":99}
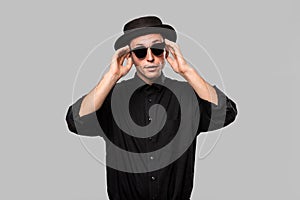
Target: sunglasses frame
{"x":145,"y":50}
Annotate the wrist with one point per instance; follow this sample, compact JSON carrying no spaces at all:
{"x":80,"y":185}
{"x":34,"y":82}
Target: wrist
{"x":188,"y":72}
{"x":111,"y":77}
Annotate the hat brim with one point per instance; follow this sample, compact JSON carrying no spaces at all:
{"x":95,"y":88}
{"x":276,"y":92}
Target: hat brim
{"x":166,"y":31}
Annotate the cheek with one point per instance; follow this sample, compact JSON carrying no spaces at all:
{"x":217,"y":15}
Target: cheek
{"x":162,"y":62}
{"x":136,"y":61}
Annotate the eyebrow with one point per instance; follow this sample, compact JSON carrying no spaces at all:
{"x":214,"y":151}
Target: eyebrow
{"x":154,"y":41}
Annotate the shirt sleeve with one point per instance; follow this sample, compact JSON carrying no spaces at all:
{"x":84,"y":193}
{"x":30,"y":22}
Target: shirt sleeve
{"x":93,"y":124}
{"x":212,"y":116}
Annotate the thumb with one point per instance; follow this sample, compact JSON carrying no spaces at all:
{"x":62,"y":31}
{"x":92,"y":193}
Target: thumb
{"x":128,"y":64}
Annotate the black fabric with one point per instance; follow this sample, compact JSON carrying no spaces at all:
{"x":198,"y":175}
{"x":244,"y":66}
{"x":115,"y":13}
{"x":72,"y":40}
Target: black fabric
{"x":173,"y":182}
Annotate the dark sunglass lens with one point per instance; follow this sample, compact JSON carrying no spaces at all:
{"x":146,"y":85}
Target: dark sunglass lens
{"x":158,"y":49}
{"x":157,"y":52}
{"x":140,"y":53}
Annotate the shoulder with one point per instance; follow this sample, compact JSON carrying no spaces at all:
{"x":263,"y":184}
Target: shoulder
{"x":126,"y":87}
{"x":125,"y":83}
{"x":181,"y":86}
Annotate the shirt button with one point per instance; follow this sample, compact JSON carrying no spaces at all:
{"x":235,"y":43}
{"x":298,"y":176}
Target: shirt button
{"x":153,"y":178}
{"x":150,"y":119}
{"x":149,"y":100}
{"x":151,"y":157}
{"x":150,"y":138}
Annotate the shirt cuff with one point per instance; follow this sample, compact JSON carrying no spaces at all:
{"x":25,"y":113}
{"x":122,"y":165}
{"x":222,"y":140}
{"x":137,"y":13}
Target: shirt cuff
{"x":85,"y":125}
{"x":221,"y":99}
{"x":76,"y":108}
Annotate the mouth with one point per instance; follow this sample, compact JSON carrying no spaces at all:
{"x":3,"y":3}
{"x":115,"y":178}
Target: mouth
{"x":151,"y":68}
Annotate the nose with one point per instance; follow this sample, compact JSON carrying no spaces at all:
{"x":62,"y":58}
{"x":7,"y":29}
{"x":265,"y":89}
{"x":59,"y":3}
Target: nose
{"x":149,"y":56}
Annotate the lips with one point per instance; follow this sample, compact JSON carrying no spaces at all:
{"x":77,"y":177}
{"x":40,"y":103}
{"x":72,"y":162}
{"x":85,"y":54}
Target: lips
{"x":151,"y":67}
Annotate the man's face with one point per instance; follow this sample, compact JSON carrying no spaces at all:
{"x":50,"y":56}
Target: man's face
{"x":148,"y":68}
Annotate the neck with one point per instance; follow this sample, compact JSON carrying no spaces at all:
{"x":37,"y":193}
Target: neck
{"x":147,"y":80}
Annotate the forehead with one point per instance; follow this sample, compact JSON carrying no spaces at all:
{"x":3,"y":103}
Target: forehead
{"x":146,"y":40}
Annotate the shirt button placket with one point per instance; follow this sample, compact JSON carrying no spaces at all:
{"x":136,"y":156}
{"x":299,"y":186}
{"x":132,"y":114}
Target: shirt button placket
{"x":149,"y":100}
{"x":153,"y":179}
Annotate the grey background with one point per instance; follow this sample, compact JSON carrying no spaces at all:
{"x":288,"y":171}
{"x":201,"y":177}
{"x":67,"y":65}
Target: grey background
{"x":255,"y":45}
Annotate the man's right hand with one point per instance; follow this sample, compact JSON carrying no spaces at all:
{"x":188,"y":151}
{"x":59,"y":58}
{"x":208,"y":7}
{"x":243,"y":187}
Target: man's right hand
{"x":117,"y":68}
{"x":95,"y":98}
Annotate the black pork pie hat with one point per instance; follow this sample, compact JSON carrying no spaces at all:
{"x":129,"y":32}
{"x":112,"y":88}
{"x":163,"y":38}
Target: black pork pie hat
{"x":143,"y":26}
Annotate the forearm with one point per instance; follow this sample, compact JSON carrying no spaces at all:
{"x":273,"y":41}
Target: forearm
{"x":95,"y":98}
{"x":201,"y":87}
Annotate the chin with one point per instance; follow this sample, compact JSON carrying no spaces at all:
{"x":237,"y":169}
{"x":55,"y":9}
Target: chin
{"x":152,"y":76}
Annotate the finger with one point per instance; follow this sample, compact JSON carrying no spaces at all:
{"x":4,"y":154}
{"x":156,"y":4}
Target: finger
{"x":125,"y":69}
{"x":168,"y":44}
{"x":124,"y":52}
{"x":170,"y":61}
{"x":129,"y":63}
{"x":172,"y":44}
{"x":175,"y":47}
{"x":121,"y":60}
{"x":171,"y":50}
{"x":121,"y":52}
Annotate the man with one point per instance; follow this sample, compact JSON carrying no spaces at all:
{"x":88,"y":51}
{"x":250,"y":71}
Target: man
{"x":150,"y":122}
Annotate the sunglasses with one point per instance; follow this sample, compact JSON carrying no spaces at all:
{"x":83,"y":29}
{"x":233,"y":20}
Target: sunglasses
{"x":157,"y":49}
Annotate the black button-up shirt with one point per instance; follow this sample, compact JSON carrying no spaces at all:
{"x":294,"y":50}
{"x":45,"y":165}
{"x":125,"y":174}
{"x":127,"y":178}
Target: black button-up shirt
{"x":156,"y":179}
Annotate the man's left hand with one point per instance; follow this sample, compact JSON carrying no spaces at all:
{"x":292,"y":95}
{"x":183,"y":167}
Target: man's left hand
{"x":178,"y":63}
